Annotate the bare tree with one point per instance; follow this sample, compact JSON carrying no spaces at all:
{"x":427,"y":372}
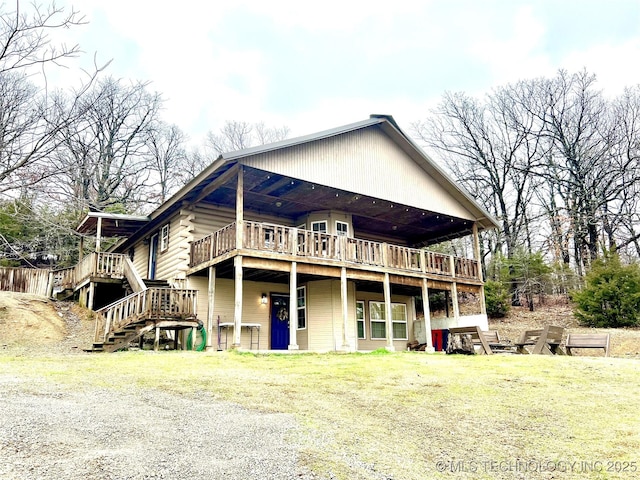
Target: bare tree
{"x":236,"y":135}
{"x":487,"y":147}
{"x":583,"y":165}
{"x":166,"y":157}
{"x":24,"y":35}
{"x":105,"y":154}
{"x":29,"y":118}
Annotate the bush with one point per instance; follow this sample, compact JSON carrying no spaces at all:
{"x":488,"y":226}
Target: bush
{"x":497,"y":299}
{"x":611,"y":296}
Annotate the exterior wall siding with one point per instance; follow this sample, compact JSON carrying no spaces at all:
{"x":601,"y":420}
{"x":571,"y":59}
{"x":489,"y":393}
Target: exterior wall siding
{"x":368,"y":344}
{"x":364,"y":161}
{"x":224,"y":308}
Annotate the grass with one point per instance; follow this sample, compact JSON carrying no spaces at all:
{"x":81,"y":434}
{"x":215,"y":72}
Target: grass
{"x":403,"y":415}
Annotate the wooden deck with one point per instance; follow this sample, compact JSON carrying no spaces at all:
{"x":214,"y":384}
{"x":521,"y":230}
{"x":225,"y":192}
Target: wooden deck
{"x":307,"y":246}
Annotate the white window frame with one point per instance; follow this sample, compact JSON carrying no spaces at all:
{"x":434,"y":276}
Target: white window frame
{"x":164,"y":238}
{"x":344,"y":233}
{"x":319,"y":222}
{"x":372,"y":320}
{"x":302,"y":309}
{"x":359,"y":320}
{"x":395,"y":321}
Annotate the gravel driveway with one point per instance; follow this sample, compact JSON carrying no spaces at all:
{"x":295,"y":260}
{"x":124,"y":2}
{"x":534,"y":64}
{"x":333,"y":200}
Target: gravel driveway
{"x":47,"y":432}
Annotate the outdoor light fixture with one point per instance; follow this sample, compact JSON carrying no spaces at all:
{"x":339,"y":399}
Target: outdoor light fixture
{"x":263,"y":299}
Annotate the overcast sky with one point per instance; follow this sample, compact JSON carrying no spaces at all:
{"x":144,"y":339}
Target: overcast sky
{"x":316,"y":65}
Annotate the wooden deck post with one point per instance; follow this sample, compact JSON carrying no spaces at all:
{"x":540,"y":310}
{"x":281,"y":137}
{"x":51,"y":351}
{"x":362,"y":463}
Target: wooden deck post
{"x":427,"y":314}
{"x":240,"y":209}
{"x":92,"y":292}
{"x":387,"y":312}
{"x":454,"y":290}
{"x":211,"y":294}
{"x":237,"y":262}
{"x":98,"y":234}
{"x":293,"y":307}
{"x":476,"y":249}
{"x":156,"y":340}
{"x":237,"y":315}
{"x":345,"y":308}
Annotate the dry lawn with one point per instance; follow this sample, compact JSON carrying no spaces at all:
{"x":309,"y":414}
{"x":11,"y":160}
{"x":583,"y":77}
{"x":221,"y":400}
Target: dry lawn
{"x":404,"y":415}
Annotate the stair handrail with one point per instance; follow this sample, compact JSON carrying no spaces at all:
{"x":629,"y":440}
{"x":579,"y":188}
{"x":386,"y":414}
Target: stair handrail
{"x":106,"y":315}
{"x":149,"y":303}
{"x":132,"y":276}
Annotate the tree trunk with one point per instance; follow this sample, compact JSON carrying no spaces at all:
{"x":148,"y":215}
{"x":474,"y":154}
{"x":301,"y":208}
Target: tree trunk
{"x":460,"y":343}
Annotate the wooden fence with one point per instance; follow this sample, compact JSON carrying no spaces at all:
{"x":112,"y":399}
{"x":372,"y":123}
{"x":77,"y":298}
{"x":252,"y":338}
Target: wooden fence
{"x":26,"y":280}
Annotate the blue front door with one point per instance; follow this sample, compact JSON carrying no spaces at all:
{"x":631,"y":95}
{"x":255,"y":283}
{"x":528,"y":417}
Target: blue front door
{"x":153,"y":257}
{"x":279,"y":322}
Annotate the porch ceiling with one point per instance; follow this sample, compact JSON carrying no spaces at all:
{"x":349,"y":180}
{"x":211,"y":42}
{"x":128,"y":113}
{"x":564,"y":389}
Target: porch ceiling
{"x":272,"y":194}
{"x":111,"y":224}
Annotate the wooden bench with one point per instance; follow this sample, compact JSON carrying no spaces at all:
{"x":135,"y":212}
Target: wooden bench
{"x":546,"y":341}
{"x":587,"y":340}
{"x":477,"y":337}
{"x":496,"y":344}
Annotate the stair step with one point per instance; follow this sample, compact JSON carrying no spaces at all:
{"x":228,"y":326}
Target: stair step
{"x":156,"y":283}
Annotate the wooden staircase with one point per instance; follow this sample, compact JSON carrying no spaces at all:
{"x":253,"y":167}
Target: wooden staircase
{"x":153,"y":308}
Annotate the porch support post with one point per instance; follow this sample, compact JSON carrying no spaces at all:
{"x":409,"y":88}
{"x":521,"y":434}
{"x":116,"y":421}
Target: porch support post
{"x":81,"y":248}
{"x":387,"y":312}
{"x":211,"y":294}
{"x":92,"y":292}
{"x":427,"y":315}
{"x":476,"y":255}
{"x":98,"y":234}
{"x":345,"y":307}
{"x":454,"y":291}
{"x":476,"y":249}
{"x":293,"y":307}
{"x":237,"y":315}
{"x":156,"y":341}
{"x":240,"y":209}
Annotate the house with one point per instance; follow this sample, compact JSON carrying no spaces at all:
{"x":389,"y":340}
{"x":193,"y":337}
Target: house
{"x":315,"y":243}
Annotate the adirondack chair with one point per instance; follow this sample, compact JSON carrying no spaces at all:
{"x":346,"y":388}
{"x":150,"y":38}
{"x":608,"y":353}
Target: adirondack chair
{"x":546,"y":341}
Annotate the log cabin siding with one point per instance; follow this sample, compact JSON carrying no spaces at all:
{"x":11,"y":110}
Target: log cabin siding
{"x":173,"y":262}
{"x":141,"y":258}
{"x":364,"y":161}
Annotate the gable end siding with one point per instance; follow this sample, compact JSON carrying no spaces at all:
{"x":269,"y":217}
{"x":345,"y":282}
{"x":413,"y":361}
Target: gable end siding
{"x":367,"y":162}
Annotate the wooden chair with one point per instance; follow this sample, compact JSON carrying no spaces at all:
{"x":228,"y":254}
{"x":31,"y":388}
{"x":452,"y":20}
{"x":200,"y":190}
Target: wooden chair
{"x":587,"y":340}
{"x":496,"y":344}
{"x":546,"y":341}
{"x":477,"y":337}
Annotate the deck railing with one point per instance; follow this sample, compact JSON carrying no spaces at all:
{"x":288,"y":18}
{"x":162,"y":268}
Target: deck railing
{"x":265,"y":237}
{"x":151,"y":304}
{"x":100,"y":264}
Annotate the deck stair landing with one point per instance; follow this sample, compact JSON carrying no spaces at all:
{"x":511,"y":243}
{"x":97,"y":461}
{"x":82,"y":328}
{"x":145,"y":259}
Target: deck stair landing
{"x":153,"y":308}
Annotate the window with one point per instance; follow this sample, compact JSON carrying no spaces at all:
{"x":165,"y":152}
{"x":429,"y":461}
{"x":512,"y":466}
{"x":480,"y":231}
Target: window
{"x":320,"y":241}
{"x":342,"y":228}
{"x":164,"y":238}
{"x":398,"y":321}
{"x":302,"y":308}
{"x":360,"y":320}
{"x":378,"y":324}
{"x":319,"y":226}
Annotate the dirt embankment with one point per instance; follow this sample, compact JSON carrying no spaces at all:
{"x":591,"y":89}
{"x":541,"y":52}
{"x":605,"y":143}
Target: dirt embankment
{"x":32,"y":322}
